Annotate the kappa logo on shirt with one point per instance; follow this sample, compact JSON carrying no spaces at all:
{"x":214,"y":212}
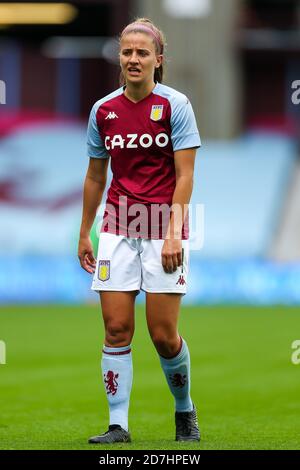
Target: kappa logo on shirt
{"x":111,"y":115}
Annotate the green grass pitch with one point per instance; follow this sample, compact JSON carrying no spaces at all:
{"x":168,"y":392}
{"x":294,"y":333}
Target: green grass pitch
{"x":244,"y":384}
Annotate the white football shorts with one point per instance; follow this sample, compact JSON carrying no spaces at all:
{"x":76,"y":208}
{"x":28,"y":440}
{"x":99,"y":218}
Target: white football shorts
{"x":129,"y":264}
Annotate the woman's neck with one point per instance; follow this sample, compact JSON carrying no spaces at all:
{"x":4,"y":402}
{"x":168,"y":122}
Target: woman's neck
{"x":137,"y":92}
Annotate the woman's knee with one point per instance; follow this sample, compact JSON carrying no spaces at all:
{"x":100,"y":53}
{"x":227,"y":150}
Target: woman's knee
{"x":118,"y":334}
{"x":165,"y":344}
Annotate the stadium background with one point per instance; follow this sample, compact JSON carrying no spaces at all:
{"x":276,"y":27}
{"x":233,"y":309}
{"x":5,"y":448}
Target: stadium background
{"x":237,"y":61}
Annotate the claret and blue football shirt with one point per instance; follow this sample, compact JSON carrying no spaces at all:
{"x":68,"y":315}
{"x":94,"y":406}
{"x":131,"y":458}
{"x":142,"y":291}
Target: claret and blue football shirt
{"x":141,"y":138}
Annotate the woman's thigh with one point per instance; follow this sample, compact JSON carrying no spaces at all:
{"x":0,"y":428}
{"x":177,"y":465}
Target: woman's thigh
{"x":162,"y":313}
{"x":118,"y":314}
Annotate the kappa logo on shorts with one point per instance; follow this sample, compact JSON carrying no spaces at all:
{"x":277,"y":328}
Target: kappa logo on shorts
{"x":156,"y":112}
{"x":103,"y":270}
{"x":181,"y":280}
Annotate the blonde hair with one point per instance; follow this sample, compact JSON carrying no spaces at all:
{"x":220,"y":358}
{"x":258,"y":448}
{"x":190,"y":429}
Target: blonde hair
{"x":146,"y":26}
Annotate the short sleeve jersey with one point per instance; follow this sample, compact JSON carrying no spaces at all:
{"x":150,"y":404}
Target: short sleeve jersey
{"x":141,"y":138}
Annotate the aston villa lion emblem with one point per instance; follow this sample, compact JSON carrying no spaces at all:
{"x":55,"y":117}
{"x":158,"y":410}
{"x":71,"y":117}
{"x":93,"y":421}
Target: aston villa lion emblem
{"x":156,"y":112}
{"x":111,"y":384}
{"x":178,"y":380}
{"x":104,"y":270}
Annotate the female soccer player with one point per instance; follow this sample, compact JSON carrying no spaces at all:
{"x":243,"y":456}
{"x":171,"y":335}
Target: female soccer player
{"x":149,"y":132}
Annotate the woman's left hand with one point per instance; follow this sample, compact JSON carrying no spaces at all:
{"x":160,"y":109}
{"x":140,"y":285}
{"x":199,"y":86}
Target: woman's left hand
{"x":171,"y":255}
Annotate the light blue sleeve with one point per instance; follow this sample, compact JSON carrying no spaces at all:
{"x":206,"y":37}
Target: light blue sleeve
{"x":95,"y":145}
{"x":183,"y":123}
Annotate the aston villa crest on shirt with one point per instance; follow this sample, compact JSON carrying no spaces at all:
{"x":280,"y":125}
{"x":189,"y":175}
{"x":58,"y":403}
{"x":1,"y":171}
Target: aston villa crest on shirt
{"x":156,"y":112}
{"x":103,"y":270}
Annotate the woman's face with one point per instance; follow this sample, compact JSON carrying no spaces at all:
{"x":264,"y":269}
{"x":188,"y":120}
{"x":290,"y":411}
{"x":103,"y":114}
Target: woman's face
{"x":138,"y":58}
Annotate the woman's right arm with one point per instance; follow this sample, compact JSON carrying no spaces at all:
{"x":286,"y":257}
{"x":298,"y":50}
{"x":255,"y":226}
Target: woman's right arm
{"x":94,"y":186}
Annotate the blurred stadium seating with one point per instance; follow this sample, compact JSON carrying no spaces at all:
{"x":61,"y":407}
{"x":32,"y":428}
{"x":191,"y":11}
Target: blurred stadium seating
{"x":243,"y":185}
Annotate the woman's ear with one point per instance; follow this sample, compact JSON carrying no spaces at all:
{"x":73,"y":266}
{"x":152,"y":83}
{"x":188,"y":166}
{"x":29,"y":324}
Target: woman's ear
{"x":159,"y":59}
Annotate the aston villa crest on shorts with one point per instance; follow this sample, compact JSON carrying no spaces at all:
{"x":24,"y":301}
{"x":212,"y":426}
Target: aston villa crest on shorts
{"x":156,"y":112}
{"x":103,"y":270}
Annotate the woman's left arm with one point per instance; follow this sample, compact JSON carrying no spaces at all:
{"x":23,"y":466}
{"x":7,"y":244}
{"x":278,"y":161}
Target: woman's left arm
{"x":172,"y":248}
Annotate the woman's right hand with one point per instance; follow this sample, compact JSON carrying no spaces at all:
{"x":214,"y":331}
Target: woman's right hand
{"x":86,"y":255}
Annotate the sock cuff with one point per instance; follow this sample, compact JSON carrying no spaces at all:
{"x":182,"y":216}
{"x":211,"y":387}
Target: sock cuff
{"x":116,"y":351}
{"x":178,"y":355}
